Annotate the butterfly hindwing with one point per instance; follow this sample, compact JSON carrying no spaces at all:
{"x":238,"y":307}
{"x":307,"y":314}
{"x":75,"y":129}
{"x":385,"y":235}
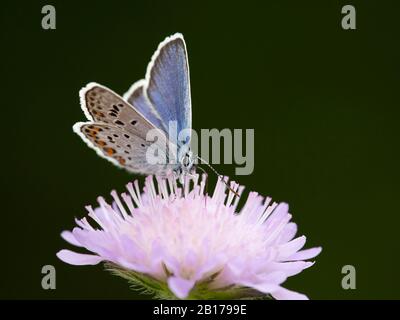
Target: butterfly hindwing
{"x":136,"y":97}
{"x":123,"y":149}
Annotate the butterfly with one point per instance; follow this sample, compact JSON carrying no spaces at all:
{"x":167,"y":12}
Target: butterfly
{"x":117,"y":127}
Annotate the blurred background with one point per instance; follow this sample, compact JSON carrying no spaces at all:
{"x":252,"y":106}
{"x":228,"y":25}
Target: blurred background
{"x":324,"y":103}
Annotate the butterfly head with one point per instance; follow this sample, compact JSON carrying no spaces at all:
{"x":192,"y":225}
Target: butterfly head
{"x":186,"y":162}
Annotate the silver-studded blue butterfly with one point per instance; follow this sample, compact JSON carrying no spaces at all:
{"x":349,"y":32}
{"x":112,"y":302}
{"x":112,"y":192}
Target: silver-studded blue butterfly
{"x":118,"y":126}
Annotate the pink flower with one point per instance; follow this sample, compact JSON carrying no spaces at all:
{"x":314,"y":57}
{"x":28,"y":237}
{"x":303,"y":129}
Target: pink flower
{"x":187,"y":244}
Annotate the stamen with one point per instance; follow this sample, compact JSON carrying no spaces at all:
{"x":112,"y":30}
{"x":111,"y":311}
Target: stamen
{"x":109,"y":213}
{"x":236,"y":202}
{"x":95,"y":218}
{"x":171,"y":185}
{"x":149,"y":184}
{"x":202,"y":183}
{"x":83,"y":223}
{"x":119,"y":204}
{"x":186,"y":185}
{"x":128,"y":200}
{"x":133,"y":194}
{"x":136,"y":183}
{"x":265,"y":213}
{"x":232,"y":193}
{"x":162,"y":187}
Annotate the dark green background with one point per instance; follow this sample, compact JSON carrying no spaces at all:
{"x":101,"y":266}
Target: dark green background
{"x":324,"y":104}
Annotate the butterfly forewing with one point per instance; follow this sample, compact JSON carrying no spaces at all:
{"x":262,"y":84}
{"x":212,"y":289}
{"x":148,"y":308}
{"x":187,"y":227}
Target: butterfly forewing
{"x":123,"y":149}
{"x":168,"y":83}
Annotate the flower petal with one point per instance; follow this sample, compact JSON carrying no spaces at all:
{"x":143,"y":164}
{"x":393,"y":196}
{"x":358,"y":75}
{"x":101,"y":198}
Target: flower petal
{"x":288,"y":232}
{"x":133,"y":266}
{"x":305,"y":254}
{"x":266,"y":287}
{"x":180,"y":287}
{"x":291,"y":268}
{"x":285,"y":294}
{"x":70,"y":238}
{"x":289,"y":248}
{"x":78,"y":259}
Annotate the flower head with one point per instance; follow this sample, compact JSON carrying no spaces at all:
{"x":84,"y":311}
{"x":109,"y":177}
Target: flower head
{"x":178,"y":242}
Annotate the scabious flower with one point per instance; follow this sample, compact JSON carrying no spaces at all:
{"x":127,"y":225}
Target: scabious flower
{"x":178,"y":242}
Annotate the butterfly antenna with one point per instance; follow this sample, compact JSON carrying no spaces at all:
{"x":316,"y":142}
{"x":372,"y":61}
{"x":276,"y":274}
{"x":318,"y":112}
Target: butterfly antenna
{"x":218,"y":175}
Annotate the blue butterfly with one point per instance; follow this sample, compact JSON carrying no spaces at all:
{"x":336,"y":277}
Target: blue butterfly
{"x":118,"y":127}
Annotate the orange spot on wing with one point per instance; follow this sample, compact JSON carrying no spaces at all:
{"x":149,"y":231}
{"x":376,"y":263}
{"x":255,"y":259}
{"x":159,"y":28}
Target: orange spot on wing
{"x":121,"y":161}
{"x":109,"y":151}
